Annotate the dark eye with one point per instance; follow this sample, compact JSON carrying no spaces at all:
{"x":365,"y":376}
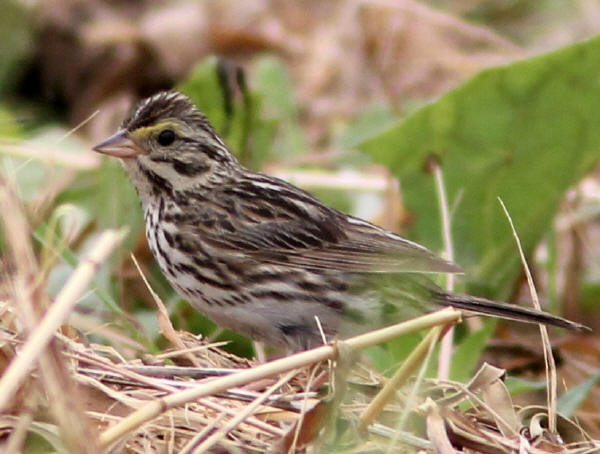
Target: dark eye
{"x":166,"y":137}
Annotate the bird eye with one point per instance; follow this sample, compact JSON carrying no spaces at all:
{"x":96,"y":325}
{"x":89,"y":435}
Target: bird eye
{"x":166,"y":137}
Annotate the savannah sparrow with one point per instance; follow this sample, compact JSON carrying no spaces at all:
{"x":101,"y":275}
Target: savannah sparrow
{"x":262,"y":257}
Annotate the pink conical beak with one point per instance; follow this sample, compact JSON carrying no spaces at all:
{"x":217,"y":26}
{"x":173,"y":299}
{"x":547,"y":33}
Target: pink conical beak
{"x":119,"y":145}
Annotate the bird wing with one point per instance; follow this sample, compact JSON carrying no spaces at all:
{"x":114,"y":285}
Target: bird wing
{"x":368,"y":250}
{"x":279,"y":224}
{"x":340,"y":243}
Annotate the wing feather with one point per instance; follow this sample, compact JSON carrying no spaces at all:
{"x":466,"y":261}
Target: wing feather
{"x":368,"y":250}
{"x":286,"y":226}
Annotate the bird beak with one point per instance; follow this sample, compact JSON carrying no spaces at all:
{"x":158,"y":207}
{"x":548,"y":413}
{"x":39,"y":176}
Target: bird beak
{"x":119,"y":145}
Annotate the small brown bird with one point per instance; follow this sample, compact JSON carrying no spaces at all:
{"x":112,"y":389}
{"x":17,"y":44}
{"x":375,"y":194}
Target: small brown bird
{"x":262,"y":257}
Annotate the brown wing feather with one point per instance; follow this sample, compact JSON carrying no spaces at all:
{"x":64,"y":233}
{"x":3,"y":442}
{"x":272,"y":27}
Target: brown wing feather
{"x":283,"y":225}
{"x":370,"y":249}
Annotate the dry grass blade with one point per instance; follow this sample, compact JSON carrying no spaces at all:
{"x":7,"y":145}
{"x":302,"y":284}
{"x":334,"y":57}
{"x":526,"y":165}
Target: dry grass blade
{"x":436,"y":430}
{"x":214,"y":438}
{"x":164,"y":322}
{"x":402,"y":374}
{"x":496,"y":396}
{"x":159,"y":406}
{"x":445,"y":355}
{"x":57,"y":314}
{"x":51,"y":155}
{"x":551,"y":376}
{"x":254,"y":418}
{"x":28,"y":301}
{"x":19,"y":434}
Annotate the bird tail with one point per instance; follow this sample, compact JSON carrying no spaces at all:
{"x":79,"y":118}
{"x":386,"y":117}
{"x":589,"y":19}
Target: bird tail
{"x":503,"y":310}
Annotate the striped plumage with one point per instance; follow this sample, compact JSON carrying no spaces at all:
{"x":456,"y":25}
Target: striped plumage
{"x":262,"y":257}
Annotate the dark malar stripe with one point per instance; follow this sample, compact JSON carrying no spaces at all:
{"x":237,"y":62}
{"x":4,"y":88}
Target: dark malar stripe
{"x":159,"y":184}
{"x":161,"y":158}
{"x":190,"y":169}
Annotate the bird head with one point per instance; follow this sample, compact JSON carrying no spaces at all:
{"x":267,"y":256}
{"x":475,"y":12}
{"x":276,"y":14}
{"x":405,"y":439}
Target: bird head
{"x":166,"y":141}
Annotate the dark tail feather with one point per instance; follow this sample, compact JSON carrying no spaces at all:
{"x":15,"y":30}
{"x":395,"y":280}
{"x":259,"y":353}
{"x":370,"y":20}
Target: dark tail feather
{"x":503,"y":310}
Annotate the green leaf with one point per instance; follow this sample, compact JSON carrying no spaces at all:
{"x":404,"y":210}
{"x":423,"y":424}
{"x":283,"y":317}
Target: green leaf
{"x":272,"y":80}
{"x":202,"y":86}
{"x":467,"y":354}
{"x":246,"y":132}
{"x":115,"y":205}
{"x":402,"y":346}
{"x":374,"y":120}
{"x":516,"y":385}
{"x":381,"y":359}
{"x":524,"y":132}
{"x":71,"y":261}
{"x":572,"y":399}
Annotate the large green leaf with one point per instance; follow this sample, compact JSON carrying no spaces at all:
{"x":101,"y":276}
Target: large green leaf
{"x":574,"y":397}
{"x":246,"y":132}
{"x":115,"y":205}
{"x":273,"y":82}
{"x":524,"y":132}
{"x":468,"y":353}
{"x":202,"y":85}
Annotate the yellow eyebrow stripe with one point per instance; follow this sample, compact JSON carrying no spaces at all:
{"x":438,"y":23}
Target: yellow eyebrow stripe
{"x":146,"y":131}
